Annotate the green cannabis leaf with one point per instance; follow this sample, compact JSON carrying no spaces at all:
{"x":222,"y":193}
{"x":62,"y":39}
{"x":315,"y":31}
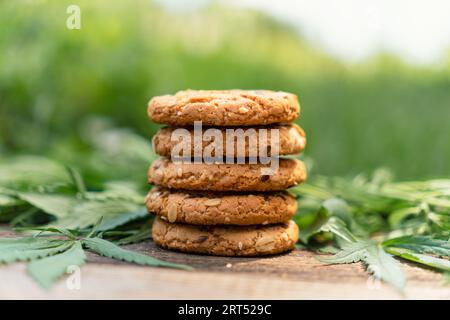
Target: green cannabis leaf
{"x":33,"y":186}
{"x":50,"y":256}
{"x":26,"y":249}
{"x":421,"y":244}
{"x":338,"y":228}
{"x":31,"y":172}
{"x":73,"y":212}
{"x":8,"y":201}
{"x":134,"y":236}
{"x":55,"y":204}
{"x":349,"y":253}
{"x":330,"y":218}
{"x":380,"y":264}
{"x":110,"y":250}
{"x":410,"y":220}
{"x":115,"y":212}
{"x":47,"y":270}
{"x":383,"y":266}
{"x":427,"y":260}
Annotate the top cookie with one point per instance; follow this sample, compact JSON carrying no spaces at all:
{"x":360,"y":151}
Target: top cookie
{"x":224,"y":108}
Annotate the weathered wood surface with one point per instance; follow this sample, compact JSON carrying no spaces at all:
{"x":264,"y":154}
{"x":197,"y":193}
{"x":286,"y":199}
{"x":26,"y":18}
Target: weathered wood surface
{"x":297,"y":275}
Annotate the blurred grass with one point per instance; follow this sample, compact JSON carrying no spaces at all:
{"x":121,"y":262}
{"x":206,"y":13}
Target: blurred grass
{"x":55,"y":84}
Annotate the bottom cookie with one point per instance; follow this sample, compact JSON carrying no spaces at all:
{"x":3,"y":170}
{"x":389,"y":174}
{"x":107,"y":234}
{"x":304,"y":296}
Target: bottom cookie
{"x":226,"y":240}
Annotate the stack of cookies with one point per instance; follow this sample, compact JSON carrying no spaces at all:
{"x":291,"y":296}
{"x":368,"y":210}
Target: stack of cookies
{"x":223,"y":208}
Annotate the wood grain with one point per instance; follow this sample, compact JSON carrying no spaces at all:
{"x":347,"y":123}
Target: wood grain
{"x":296,"y":275}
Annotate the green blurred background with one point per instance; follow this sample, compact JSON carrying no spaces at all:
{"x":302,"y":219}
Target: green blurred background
{"x":69,"y":93}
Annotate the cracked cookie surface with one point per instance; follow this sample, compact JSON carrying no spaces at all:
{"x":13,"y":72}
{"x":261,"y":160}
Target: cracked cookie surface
{"x":225,"y":177}
{"x":226,"y":240}
{"x":207,"y":208}
{"x":291,"y":140}
{"x":224,"y":107}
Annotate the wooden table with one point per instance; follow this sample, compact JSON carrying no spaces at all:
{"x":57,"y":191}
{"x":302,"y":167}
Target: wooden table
{"x":297,"y":275}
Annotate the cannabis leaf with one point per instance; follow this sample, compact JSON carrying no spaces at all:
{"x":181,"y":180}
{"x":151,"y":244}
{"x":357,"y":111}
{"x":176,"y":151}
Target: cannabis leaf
{"x":111,"y":222}
{"x":430,"y":261}
{"x":350,"y":253}
{"x":9,"y":201}
{"x":73,"y":212}
{"x":29,"y":182}
{"x":115,"y":212}
{"x":377,"y":261}
{"x":331,"y":217}
{"x":26,"y":249}
{"x":52,"y":254}
{"x":110,"y":250}
{"x":77,"y":180}
{"x":421,"y":244}
{"x":47,"y":270}
{"x":423,"y":250}
{"x":315,"y":226}
{"x":144,"y":233}
{"x":384,"y":266}
{"x":57,"y":205}
{"x":32,"y":171}
{"x":414,"y":216}
{"x":338,"y":228}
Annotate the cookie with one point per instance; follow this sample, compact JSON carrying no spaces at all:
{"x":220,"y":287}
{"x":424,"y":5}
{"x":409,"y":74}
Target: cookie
{"x":207,"y":208}
{"x":226,"y":240}
{"x":224,"y":108}
{"x":292,"y":140}
{"x":225,"y":177}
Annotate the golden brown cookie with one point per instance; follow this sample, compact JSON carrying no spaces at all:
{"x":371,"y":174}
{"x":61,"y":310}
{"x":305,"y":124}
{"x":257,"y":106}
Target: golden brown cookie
{"x":226,"y":240}
{"x":225,"y":177}
{"x":207,"y":208}
{"x":292,"y":140}
{"x":224,"y":108}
